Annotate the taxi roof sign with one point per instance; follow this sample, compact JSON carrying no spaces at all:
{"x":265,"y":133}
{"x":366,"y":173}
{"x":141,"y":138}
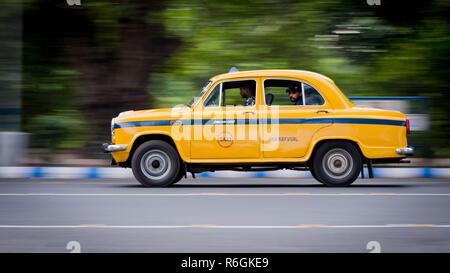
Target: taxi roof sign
{"x":233,"y":70}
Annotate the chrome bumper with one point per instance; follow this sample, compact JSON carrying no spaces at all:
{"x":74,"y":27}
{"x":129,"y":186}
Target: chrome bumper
{"x":405,"y":151}
{"x":113,"y":147}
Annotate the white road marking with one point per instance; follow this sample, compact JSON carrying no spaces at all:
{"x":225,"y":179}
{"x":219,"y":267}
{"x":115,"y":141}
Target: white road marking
{"x":300,"y":194}
{"x":210,"y":226}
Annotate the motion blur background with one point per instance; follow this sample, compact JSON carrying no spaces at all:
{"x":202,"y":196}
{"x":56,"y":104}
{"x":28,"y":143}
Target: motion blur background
{"x":68,"y":66}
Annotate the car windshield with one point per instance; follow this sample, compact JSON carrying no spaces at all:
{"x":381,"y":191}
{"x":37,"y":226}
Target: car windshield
{"x":199,"y":96}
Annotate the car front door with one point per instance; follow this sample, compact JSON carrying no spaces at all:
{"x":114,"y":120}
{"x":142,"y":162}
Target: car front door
{"x":223,"y":126}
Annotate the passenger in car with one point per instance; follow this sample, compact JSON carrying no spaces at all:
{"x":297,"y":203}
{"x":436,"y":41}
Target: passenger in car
{"x":295,"y":94}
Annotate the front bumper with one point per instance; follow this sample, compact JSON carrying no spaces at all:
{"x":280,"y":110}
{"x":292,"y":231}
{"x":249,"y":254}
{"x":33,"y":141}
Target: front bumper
{"x":405,"y":151}
{"x":107,"y":148}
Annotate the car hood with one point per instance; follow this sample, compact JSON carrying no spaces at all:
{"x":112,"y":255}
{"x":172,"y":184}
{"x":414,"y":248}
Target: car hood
{"x":152,"y":114}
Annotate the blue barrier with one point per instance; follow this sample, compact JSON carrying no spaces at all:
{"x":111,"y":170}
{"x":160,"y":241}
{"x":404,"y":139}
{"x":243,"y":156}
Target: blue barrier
{"x":113,"y":172}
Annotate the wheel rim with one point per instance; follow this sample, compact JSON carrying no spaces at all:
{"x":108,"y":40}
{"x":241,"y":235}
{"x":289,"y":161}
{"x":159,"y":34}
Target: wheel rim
{"x":155,"y":164}
{"x":337,"y":163}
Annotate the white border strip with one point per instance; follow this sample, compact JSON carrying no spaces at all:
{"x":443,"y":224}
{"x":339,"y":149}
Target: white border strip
{"x":301,"y":226}
{"x":296,"y":194}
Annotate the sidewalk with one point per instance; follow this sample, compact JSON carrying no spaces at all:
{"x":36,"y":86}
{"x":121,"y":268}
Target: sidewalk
{"x":126,"y":173}
{"x":69,"y":160}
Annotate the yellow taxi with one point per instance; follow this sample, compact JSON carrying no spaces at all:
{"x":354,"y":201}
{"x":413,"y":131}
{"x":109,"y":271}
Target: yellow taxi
{"x":259,"y":121}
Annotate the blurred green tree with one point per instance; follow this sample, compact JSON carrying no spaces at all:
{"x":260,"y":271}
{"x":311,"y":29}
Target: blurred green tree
{"x":109,"y":49}
{"x":399,"y":48}
{"x":95,"y":60}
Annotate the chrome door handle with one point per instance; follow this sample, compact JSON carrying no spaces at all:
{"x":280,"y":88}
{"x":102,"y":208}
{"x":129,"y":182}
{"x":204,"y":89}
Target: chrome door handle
{"x":322,"y":111}
{"x":249,"y":112}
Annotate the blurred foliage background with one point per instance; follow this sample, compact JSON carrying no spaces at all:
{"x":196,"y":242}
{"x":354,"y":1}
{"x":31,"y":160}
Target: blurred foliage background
{"x":84,"y":64}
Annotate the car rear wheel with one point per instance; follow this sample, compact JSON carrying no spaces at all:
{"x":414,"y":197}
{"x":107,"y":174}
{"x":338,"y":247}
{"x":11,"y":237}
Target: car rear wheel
{"x":337,"y":163}
{"x":313,"y":173}
{"x":156,"y":164}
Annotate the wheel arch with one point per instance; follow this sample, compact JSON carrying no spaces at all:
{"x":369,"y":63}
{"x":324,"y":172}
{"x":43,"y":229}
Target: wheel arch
{"x":147,"y":137}
{"x":319,"y":143}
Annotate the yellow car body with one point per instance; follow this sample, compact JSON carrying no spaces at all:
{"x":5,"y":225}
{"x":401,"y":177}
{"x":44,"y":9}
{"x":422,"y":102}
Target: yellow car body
{"x":262,"y":134}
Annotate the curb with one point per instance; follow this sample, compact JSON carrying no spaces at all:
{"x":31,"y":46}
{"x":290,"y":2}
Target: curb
{"x":126,"y":173}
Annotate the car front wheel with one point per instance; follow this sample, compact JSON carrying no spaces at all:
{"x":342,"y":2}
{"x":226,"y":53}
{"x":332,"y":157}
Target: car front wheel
{"x":337,"y":163}
{"x":155,"y":164}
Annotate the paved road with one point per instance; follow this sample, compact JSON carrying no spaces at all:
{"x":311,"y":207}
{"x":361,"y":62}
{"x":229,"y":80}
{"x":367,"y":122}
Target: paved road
{"x":224,"y":215}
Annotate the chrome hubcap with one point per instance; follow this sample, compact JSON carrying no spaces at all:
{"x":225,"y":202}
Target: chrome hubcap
{"x":155,"y":164}
{"x":337,"y":163}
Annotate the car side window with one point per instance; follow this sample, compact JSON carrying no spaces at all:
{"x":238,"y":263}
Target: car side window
{"x":282,"y":92}
{"x":312,"y":97}
{"x":213,"y":100}
{"x":232,"y":93}
{"x":278,"y":92}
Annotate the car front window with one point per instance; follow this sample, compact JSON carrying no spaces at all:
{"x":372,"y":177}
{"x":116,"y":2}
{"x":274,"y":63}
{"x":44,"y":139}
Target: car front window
{"x":199,"y":96}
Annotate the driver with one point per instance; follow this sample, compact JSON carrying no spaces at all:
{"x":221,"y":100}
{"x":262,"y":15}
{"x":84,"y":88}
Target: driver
{"x":248,"y":94}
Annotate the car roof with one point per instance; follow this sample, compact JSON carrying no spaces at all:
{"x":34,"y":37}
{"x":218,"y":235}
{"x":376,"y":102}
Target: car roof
{"x":271,"y":73}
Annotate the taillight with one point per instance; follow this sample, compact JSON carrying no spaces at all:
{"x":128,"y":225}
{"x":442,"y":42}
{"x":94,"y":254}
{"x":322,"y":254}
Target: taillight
{"x":408,"y":130}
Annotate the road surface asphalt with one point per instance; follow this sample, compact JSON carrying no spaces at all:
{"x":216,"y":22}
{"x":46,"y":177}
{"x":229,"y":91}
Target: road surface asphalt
{"x":223,"y":215}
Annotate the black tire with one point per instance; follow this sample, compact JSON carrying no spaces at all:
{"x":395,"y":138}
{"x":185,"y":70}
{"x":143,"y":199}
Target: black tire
{"x":180,"y":175}
{"x":313,"y":173}
{"x":156,"y":163}
{"x":337,"y":163}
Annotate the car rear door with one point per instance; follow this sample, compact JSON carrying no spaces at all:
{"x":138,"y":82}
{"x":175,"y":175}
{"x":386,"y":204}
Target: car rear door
{"x":287,"y":129}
